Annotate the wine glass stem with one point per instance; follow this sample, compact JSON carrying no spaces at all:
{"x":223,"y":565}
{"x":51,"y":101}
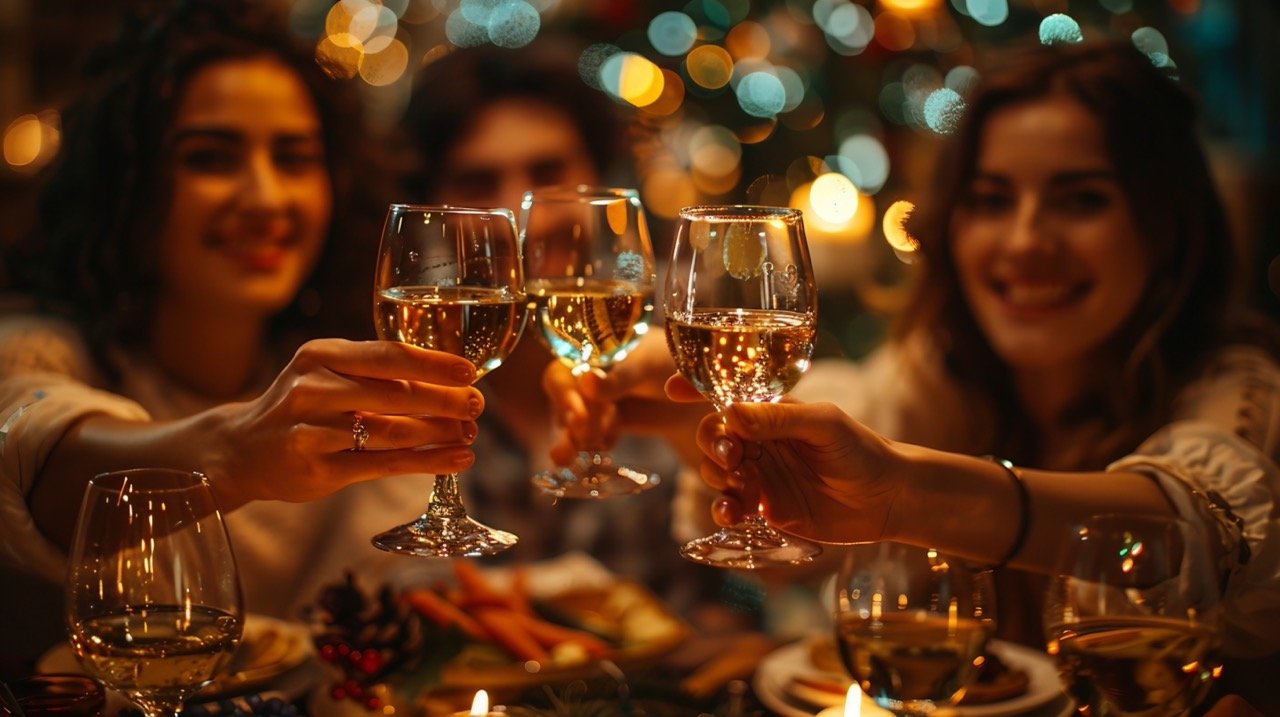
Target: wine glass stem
{"x":446,"y":502}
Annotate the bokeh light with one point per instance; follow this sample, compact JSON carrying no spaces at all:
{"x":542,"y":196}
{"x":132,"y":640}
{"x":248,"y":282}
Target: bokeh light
{"x":672,"y":33}
{"x":31,"y":141}
{"x":591,"y":60}
{"x":748,"y":41}
{"x":709,"y":66}
{"x":632,"y":78}
{"x":339,"y":55}
{"x":1059,"y":28}
{"x":670,"y":99}
{"x":894,"y":32}
{"x":386,"y":66}
{"x":894,"y":226}
{"x":833,"y":198}
{"x":761,"y":94}
{"x":865,"y":162}
{"x":943,"y":110}
{"x":960,"y":78}
{"x":514,"y":23}
{"x":462,"y":32}
{"x":668,"y":190}
{"x":1149,"y":40}
{"x":988,"y":12}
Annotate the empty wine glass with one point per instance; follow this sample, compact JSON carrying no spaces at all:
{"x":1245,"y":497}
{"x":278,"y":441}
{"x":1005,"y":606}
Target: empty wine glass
{"x":910,"y":624}
{"x":589,"y":273}
{"x":153,"y":598}
{"x":449,"y":279}
{"x":1134,"y":620}
{"x":741,"y":314}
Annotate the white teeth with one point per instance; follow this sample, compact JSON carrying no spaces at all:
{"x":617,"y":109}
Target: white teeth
{"x":1034,"y":296}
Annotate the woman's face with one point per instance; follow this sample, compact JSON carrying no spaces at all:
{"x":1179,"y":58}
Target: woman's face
{"x":514,"y":145}
{"x":251,"y":193}
{"x":1049,"y":257}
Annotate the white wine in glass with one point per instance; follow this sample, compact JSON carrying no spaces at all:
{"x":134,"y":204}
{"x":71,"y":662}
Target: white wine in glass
{"x":153,"y":597}
{"x":910,"y":624}
{"x":1134,"y":620}
{"x":589,"y":273}
{"x":449,"y":279}
{"x":741,"y":312}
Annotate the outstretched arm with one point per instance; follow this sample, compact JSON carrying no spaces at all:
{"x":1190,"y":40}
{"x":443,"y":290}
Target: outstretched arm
{"x":293,"y":442}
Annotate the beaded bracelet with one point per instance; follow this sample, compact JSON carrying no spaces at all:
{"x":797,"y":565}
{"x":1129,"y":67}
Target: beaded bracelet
{"x":1024,"y":511}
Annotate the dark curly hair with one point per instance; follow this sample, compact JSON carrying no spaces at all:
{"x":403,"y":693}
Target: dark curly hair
{"x":95,"y":257}
{"x":1149,"y":126}
{"x":450,"y":92}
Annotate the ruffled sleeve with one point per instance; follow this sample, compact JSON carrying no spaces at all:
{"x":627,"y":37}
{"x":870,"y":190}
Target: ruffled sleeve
{"x":44,"y":391}
{"x":1218,"y":465}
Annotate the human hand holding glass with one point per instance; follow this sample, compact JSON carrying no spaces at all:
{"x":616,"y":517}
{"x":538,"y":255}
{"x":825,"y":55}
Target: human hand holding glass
{"x":449,"y":279}
{"x":1135,"y":619}
{"x":910,"y":623}
{"x":589,"y":273}
{"x":153,"y":597}
{"x":741,"y":312}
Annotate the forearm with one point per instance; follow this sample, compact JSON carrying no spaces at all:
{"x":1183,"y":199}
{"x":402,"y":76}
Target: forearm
{"x":970,"y":506}
{"x":100,"y":443}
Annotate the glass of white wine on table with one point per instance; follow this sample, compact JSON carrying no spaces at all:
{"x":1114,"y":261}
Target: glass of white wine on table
{"x":741,"y":310}
{"x":589,"y":273}
{"x":911,"y":625}
{"x":153,"y":597}
{"x":449,"y":279}
{"x":1134,"y":619}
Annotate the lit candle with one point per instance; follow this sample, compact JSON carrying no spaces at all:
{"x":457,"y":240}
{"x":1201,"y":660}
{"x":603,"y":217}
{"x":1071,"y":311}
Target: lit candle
{"x":480,"y":704}
{"x":855,"y":705}
{"x":480,"y":707}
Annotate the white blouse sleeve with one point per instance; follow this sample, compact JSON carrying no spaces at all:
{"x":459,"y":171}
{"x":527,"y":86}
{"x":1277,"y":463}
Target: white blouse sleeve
{"x":1218,"y":465}
{"x":43,"y":393}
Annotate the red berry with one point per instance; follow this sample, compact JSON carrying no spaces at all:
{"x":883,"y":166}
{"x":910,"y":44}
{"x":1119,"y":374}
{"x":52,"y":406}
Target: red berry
{"x":328,"y":652}
{"x":338,"y":694}
{"x":372,"y":703}
{"x":371,"y":662}
{"x":355,"y":656}
{"x":344,"y":649}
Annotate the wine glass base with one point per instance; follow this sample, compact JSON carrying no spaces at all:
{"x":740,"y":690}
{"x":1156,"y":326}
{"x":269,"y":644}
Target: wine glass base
{"x":442,"y":537}
{"x":750,"y":547}
{"x":595,"y":477}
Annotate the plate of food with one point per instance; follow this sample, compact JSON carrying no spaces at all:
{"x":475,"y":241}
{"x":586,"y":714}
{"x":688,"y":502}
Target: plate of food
{"x":273,"y":654}
{"x":800,"y":679}
{"x":499,"y":631}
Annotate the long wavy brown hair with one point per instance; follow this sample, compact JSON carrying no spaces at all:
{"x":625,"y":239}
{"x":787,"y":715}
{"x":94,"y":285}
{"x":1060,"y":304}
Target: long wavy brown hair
{"x":94,"y":258}
{"x":1189,"y":305}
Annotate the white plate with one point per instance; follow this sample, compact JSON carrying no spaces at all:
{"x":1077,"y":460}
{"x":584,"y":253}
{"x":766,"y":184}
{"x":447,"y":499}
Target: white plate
{"x":274,"y":655}
{"x":773,"y":686}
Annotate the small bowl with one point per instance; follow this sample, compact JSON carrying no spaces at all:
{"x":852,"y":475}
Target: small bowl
{"x":57,"y":695}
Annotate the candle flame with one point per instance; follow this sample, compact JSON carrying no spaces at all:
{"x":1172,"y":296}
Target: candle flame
{"x":853,"y":701}
{"x":480,"y":705}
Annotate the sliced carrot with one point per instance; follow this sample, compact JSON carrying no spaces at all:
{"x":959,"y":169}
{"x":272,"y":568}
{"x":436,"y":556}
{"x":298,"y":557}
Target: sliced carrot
{"x":549,"y":635}
{"x":442,"y":612}
{"x":505,"y":630}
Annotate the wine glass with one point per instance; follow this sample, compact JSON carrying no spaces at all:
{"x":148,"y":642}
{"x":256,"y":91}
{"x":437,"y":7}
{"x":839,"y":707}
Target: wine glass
{"x":589,"y":274}
{"x":741,"y":313}
{"x":153,"y":598}
{"x":1134,"y":620}
{"x":449,"y":279}
{"x":911,"y":624}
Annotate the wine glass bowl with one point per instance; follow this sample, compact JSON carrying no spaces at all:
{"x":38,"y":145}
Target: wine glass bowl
{"x":741,"y":310}
{"x":153,"y":598}
{"x":449,"y":279}
{"x":911,"y":624}
{"x":1134,"y":620}
{"x":589,"y":274}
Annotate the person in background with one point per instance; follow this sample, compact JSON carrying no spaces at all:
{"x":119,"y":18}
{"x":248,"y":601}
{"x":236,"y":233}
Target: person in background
{"x":1076,"y":312}
{"x":484,"y":126}
{"x":201,"y":232}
